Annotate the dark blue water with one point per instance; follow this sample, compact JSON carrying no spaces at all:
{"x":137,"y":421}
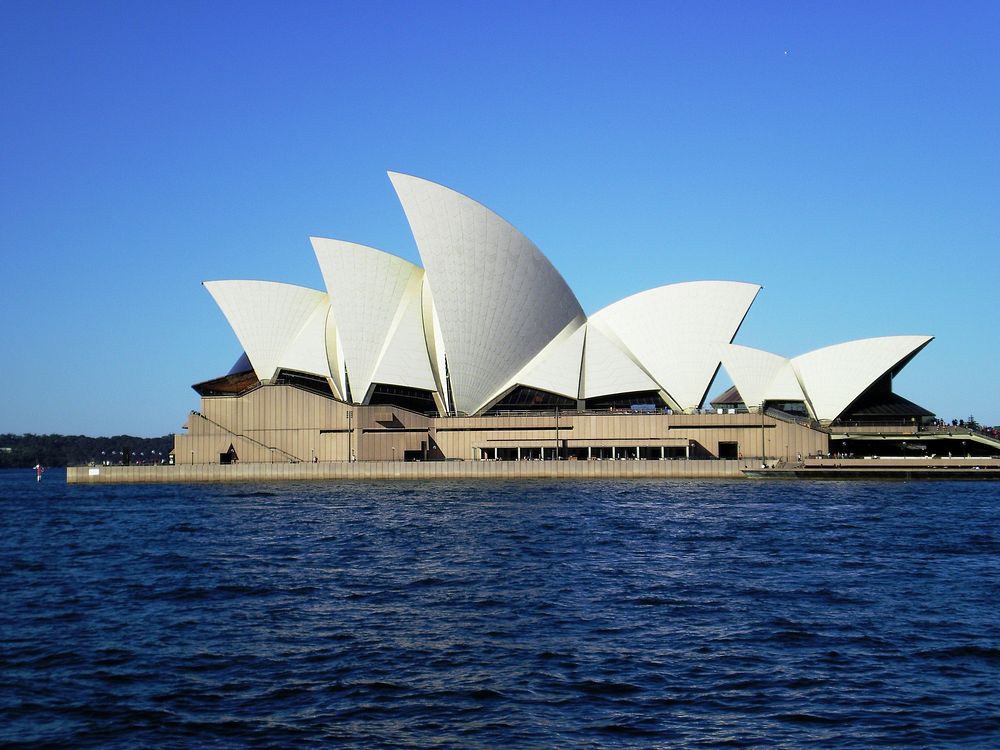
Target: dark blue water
{"x":483,"y":615}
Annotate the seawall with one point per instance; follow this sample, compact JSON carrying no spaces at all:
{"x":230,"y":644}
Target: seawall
{"x":883,"y":468}
{"x":405,"y":470}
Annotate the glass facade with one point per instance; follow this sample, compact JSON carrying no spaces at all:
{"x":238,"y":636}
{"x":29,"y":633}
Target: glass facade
{"x":413,"y":399}
{"x":523,"y":398}
{"x":626,"y":401}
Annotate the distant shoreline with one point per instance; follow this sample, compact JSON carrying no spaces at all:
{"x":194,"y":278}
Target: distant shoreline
{"x":59,"y":451}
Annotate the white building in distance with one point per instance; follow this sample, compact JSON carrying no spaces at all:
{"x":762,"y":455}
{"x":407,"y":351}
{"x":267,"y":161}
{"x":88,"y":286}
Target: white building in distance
{"x":489,"y":326}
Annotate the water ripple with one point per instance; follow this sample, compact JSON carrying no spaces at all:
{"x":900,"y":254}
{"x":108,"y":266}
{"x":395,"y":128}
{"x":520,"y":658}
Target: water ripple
{"x":514,"y":614}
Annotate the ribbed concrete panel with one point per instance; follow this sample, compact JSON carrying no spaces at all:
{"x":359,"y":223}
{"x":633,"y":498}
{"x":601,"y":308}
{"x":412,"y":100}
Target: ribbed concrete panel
{"x":499,"y":300}
{"x":435,"y":343}
{"x":761,"y":376}
{"x":608,"y":370}
{"x":836,"y":375}
{"x":406,"y":360}
{"x":335,"y":355}
{"x":785,"y":386}
{"x":307,"y":351}
{"x":677,"y":331}
{"x":557,"y":367}
{"x":266,"y":317}
{"x":367,"y":289}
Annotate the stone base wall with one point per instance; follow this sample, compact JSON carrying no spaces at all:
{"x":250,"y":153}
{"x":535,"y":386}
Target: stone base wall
{"x":372,"y":470}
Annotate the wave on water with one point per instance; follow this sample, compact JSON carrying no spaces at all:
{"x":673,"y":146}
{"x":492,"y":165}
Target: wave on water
{"x":508,"y":614}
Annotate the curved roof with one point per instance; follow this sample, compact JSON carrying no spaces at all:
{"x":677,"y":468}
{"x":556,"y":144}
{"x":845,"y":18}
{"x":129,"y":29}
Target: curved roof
{"x":307,"y":352}
{"x":607,"y":369}
{"x":761,"y":376}
{"x":335,"y":355}
{"x":277,"y":324}
{"x":406,"y":360}
{"x":375,"y":298}
{"x":490,"y":312}
{"x":678,"y":331}
{"x":835,"y":376}
{"x":498,"y":299}
{"x":435,"y":343}
{"x":556,"y":368}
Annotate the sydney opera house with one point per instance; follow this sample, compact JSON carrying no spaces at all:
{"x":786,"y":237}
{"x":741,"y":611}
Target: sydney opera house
{"x":484,"y":353}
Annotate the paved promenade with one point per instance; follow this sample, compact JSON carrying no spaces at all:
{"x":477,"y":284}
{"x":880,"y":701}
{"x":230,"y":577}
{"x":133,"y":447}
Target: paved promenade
{"x":882,"y":468}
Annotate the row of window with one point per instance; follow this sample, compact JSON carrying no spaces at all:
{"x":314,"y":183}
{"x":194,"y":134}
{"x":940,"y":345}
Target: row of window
{"x":588,"y":453}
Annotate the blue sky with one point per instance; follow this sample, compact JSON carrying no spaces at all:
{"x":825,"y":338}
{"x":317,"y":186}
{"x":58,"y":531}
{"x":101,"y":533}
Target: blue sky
{"x":845,"y":156}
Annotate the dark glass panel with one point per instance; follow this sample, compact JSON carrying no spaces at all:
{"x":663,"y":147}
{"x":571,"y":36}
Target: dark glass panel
{"x":523,"y":398}
{"x":305,"y":381}
{"x":879,"y":405}
{"x":626,"y":401}
{"x":413,"y":399}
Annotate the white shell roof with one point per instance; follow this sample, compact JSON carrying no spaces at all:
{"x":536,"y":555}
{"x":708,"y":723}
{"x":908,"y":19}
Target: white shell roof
{"x":375,"y":299}
{"x":435,"y":342}
{"x":405,"y":361}
{"x":836,"y":375}
{"x":493,"y":307}
{"x":307,"y":352}
{"x":335,"y":355}
{"x":556,"y":368}
{"x":678,"y":332}
{"x":272,"y":320}
{"x":761,"y":376}
{"x":499,"y":301}
{"x":607,"y":369}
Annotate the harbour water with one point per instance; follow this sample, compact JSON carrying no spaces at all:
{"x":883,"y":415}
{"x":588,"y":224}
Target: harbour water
{"x":499,"y":614}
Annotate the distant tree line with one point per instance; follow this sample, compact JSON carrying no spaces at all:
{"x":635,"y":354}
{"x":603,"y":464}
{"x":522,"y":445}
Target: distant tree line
{"x":21,"y":451}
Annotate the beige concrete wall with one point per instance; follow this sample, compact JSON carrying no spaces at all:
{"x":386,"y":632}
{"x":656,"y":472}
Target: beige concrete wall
{"x":272,"y":424}
{"x":283,"y":424}
{"x":776,"y":439}
{"x":506,"y":470}
{"x":380,"y":470}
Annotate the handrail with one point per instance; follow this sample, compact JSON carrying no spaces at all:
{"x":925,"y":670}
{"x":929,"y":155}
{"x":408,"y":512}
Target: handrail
{"x":959,"y":430}
{"x":296,"y":459}
{"x":792,"y":419}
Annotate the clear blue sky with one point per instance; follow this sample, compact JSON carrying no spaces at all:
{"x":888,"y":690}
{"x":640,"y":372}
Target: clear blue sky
{"x":845,"y":156}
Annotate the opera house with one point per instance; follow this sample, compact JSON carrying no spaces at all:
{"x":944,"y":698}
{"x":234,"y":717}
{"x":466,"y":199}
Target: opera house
{"x":484,"y":353}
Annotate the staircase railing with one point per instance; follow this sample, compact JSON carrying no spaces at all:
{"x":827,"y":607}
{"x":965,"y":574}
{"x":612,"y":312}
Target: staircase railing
{"x":792,"y":419}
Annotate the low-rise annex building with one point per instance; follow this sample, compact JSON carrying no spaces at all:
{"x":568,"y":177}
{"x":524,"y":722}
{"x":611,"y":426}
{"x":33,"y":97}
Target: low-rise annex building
{"x":486,"y":354}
